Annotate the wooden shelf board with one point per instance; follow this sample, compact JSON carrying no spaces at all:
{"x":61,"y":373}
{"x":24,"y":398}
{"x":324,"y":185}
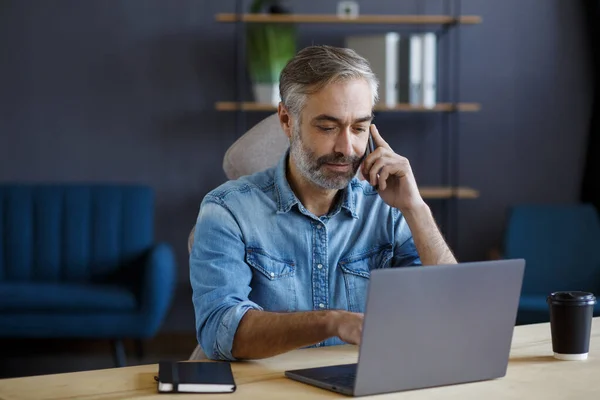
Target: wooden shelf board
{"x":245,"y":106}
{"x":403,"y":107}
{"x":362,"y":19}
{"x":442,"y":192}
{"x":440,"y":107}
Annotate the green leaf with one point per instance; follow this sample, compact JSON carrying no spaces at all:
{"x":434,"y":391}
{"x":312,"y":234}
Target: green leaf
{"x":269,"y":47}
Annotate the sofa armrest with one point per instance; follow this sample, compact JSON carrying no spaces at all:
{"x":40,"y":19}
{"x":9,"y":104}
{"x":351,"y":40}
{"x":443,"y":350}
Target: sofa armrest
{"x":158,"y":285}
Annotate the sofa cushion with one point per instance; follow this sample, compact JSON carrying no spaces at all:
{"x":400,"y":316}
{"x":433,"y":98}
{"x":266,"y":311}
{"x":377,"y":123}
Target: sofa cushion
{"x":64,"y":298}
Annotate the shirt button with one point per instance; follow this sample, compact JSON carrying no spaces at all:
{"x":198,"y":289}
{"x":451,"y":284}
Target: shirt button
{"x":321,"y":305}
{"x":319,"y":226}
{"x":319,"y":266}
{"x":272,"y":274}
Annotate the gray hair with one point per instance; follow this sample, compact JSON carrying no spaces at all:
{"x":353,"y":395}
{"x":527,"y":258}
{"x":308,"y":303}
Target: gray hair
{"x":314,"y":67}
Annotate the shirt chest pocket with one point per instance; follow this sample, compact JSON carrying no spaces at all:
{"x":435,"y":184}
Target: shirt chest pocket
{"x":356,"y":270}
{"x":273,"y":283}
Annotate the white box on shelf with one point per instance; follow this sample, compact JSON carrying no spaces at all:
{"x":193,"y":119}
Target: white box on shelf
{"x":381,"y":51}
{"x":415,"y":94}
{"x":429,"y":69}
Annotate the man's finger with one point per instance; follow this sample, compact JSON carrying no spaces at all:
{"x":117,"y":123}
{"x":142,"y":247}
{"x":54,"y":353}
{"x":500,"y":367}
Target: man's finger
{"x":379,"y":142}
{"x":383,"y":176}
{"x":374,"y":157}
{"x":374,"y":171}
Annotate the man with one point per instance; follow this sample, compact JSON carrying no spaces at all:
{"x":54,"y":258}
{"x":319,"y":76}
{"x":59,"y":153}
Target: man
{"x":281,"y":258}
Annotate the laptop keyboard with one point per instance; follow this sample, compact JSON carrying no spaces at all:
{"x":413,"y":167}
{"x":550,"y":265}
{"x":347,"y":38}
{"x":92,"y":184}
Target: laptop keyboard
{"x":346,"y":380}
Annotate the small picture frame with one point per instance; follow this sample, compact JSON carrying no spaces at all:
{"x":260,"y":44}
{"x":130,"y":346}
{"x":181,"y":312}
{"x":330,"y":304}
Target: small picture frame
{"x":347,"y":9}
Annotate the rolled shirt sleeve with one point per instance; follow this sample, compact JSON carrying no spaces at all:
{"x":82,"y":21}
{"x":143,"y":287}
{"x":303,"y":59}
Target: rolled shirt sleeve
{"x":220,"y":279}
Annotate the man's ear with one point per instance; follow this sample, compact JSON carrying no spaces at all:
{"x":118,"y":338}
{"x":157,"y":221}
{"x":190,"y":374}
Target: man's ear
{"x":285,"y":119}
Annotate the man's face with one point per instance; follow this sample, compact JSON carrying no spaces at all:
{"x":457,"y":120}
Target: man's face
{"x":328,"y":144}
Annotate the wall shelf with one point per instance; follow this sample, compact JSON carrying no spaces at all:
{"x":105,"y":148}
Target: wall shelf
{"x":402,"y":107}
{"x":362,"y":19}
{"x":445,"y":23}
{"x":442,"y":192}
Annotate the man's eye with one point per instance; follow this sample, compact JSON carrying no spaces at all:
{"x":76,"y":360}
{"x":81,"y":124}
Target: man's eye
{"x":326,"y":128}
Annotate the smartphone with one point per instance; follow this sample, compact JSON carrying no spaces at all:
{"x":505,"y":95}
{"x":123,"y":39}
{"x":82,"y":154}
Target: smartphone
{"x":370,"y":149}
{"x":370,"y":145}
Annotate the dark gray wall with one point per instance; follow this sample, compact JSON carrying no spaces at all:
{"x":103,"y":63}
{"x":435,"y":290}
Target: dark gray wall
{"x":113,"y":90}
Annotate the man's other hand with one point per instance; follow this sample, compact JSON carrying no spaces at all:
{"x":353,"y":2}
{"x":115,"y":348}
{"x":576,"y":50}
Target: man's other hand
{"x":347,"y":326}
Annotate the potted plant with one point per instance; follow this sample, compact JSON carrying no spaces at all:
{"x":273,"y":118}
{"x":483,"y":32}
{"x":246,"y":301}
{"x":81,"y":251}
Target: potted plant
{"x":269,"y":47}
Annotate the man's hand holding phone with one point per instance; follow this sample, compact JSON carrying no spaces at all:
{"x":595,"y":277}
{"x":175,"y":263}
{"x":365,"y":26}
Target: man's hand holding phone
{"x":390,"y":174}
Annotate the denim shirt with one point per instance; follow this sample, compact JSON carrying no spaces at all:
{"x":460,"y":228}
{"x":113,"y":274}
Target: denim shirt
{"x":257,"y":247}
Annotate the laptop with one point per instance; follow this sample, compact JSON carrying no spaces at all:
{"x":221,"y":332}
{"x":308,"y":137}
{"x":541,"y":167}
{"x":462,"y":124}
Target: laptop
{"x":430,"y":326}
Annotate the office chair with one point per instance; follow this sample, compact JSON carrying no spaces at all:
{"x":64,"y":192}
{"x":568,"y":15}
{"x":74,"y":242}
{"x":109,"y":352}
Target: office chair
{"x":259,"y":148}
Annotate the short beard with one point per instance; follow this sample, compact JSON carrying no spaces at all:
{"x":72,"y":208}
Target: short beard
{"x":312,"y":168}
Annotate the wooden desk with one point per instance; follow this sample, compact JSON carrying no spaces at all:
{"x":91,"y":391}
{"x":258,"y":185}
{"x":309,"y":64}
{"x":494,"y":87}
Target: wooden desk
{"x":532,"y":374}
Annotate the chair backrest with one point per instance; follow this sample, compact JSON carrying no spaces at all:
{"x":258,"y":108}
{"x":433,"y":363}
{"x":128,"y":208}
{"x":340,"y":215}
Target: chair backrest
{"x":560,"y":245}
{"x":259,"y":148}
{"x":72,"y":232}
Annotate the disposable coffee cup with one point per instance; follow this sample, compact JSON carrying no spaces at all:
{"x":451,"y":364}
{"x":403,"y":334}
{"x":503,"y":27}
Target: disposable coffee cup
{"x":571,"y":324}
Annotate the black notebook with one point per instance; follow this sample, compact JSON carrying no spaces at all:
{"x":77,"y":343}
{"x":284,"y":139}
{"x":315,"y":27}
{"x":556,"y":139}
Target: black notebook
{"x":195,"y":377}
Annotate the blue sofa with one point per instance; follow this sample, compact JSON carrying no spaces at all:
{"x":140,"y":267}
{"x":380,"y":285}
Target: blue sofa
{"x":560,"y":246}
{"x":79,"y":261}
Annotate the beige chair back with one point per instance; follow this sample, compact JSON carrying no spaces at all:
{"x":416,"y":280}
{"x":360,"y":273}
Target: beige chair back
{"x":259,"y":148}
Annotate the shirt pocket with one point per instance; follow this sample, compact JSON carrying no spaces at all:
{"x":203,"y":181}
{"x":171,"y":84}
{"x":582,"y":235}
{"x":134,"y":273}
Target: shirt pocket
{"x":356,"y":270}
{"x":273,"y":286}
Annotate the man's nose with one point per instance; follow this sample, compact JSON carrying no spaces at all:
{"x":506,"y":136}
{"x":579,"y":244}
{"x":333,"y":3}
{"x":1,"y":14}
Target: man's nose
{"x":343,"y":143}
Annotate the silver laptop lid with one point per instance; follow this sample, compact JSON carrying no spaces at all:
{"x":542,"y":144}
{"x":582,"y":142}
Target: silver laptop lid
{"x":438,"y":325}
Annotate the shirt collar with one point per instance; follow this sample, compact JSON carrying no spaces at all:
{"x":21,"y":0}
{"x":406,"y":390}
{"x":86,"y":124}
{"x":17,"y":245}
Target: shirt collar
{"x":287,"y":199}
